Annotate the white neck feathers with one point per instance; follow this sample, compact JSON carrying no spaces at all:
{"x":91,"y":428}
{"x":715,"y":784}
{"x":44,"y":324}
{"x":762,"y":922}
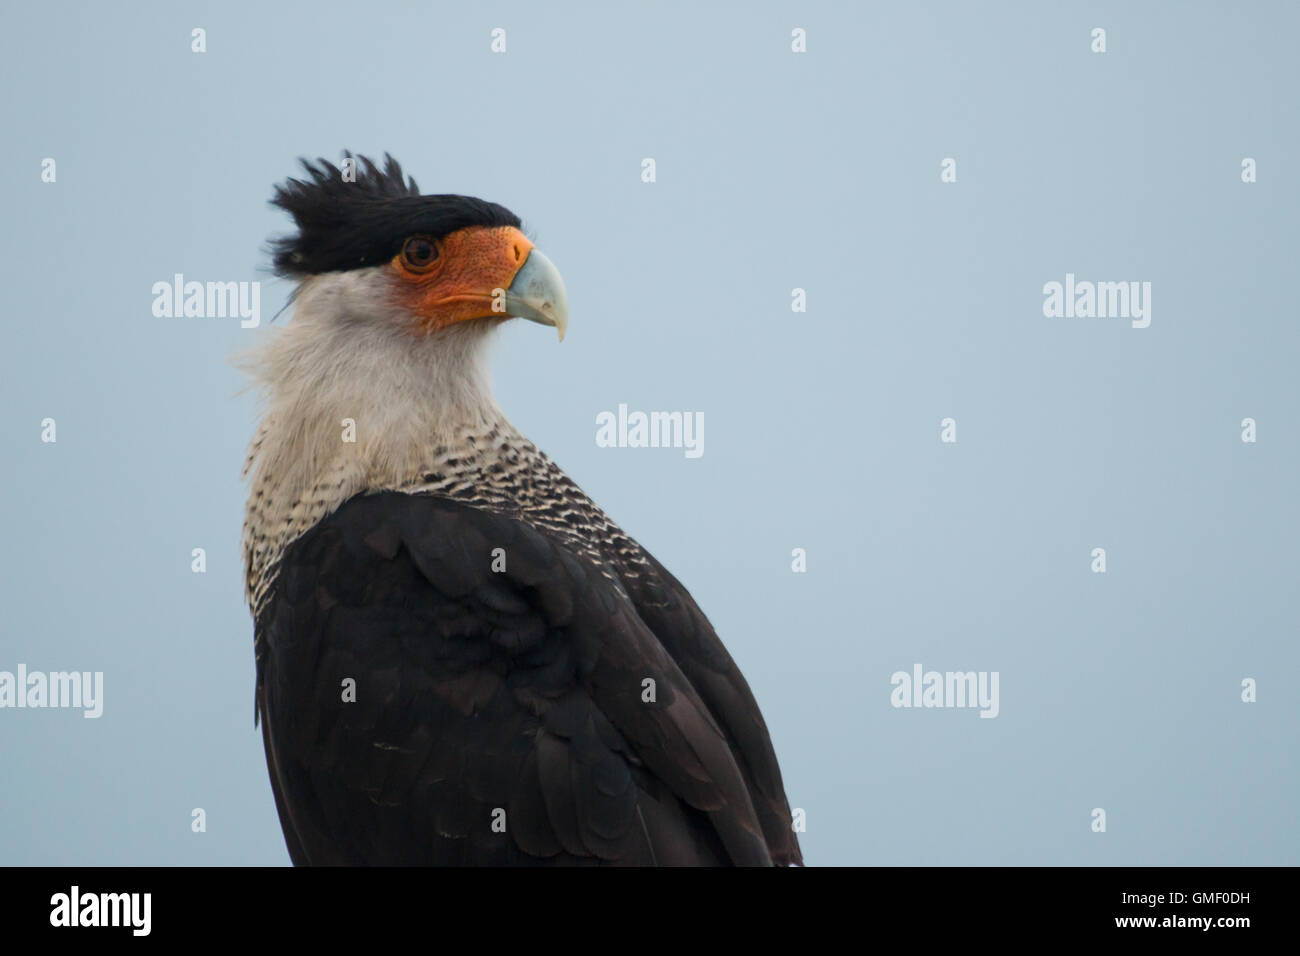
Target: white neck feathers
{"x":356,"y":399}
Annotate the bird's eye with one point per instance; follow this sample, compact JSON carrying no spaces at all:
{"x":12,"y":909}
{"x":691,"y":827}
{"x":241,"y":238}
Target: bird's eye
{"x":419,"y":253}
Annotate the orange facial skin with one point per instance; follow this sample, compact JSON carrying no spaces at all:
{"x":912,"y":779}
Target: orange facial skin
{"x":459,"y":284}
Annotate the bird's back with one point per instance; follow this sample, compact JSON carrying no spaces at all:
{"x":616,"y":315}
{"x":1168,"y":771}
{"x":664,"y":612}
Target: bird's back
{"x":481,"y":668}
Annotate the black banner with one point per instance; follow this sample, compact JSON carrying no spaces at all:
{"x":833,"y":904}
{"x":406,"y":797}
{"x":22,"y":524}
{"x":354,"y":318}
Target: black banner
{"x":332,"y":906}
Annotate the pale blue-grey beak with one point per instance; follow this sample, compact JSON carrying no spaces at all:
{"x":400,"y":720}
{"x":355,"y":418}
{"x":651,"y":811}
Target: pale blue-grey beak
{"x":537,"y":293}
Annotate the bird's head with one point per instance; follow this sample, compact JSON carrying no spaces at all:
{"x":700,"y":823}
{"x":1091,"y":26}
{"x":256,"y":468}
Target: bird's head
{"x":422,"y":263}
{"x":396,"y":294}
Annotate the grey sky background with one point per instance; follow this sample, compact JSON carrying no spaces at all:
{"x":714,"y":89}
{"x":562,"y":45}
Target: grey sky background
{"x":775,"y":171}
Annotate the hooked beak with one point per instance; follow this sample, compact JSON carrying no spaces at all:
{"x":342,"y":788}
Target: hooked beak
{"x":537,"y":293}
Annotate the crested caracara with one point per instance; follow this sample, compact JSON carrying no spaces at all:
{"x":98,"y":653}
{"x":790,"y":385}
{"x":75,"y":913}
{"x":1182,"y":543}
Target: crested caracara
{"x":460,"y":658}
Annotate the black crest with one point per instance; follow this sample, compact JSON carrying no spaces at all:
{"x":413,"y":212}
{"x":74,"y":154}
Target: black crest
{"x":349,"y":225}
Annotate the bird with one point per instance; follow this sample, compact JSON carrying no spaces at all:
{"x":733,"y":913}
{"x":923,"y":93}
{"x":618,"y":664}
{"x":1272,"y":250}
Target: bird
{"x":460,"y":659}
